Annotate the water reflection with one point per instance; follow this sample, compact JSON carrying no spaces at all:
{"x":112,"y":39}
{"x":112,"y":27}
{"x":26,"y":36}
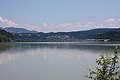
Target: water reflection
{"x":4,"y":47}
{"x":78,"y":51}
{"x":73,"y":46}
{"x":4,"y":58}
{"x":49,"y":61}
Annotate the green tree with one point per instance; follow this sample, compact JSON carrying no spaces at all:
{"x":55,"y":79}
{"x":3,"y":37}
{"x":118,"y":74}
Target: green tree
{"x":5,"y":36}
{"x":108,"y":67}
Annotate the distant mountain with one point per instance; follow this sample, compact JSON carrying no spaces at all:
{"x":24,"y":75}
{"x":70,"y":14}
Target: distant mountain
{"x":69,"y":36}
{"x":18,"y":30}
{"x":88,"y":34}
{"x":0,"y":27}
{"x":21,"y":34}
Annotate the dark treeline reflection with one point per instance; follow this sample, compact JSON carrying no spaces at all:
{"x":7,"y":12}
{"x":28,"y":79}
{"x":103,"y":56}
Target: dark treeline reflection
{"x":75,"y":46}
{"x":4,"y":47}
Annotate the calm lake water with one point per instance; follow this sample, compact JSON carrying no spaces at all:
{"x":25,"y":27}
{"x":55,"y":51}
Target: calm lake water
{"x":49,"y":61}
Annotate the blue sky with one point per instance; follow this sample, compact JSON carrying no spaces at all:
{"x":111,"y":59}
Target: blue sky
{"x":60,"y":15}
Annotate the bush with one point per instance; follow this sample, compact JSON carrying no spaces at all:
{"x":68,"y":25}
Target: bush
{"x":108,"y":67}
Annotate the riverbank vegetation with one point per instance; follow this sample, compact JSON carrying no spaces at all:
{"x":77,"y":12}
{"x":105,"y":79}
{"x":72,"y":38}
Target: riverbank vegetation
{"x":108,"y":67}
{"x":5,"y":36}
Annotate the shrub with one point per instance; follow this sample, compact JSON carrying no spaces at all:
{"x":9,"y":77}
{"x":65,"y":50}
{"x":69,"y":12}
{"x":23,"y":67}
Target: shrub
{"x":108,"y":67}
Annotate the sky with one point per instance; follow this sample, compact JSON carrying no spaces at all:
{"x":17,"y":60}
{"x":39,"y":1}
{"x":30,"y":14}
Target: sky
{"x":60,"y":15}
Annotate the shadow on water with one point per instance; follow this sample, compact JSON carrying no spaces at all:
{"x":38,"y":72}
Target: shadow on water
{"x":4,"y":47}
{"x":73,"y":46}
{"x":24,"y":46}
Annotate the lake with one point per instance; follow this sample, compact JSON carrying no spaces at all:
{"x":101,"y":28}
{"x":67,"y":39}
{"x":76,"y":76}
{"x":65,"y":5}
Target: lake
{"x":50,"y":60}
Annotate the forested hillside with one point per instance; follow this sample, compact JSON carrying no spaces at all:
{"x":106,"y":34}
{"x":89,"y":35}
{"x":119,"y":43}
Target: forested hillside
{"x":21,"y":34}
{"x":100,"y":34}
{"x":113,"y":35}
{"x":5,"y":36}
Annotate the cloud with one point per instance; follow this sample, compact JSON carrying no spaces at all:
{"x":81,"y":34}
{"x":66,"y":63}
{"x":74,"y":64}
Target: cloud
{"x":119,"y":20}
{"x":110,"y":20}
{"x":64,"y":27}
{"x":7,"y":23}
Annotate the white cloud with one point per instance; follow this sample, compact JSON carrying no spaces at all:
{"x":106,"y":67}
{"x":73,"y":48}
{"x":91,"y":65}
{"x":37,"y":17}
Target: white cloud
{"x":64,"y":27}
{"x":89,"y":24}
{"x":110,"y":20}
{"x":45,"y":24}
{"x":7,"y":23}
{"x":119,"y":20}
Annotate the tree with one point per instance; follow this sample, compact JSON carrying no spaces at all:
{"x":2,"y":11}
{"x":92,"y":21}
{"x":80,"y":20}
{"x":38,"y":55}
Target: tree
{"x":108,"y":67}
{"x":5,"y":36}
